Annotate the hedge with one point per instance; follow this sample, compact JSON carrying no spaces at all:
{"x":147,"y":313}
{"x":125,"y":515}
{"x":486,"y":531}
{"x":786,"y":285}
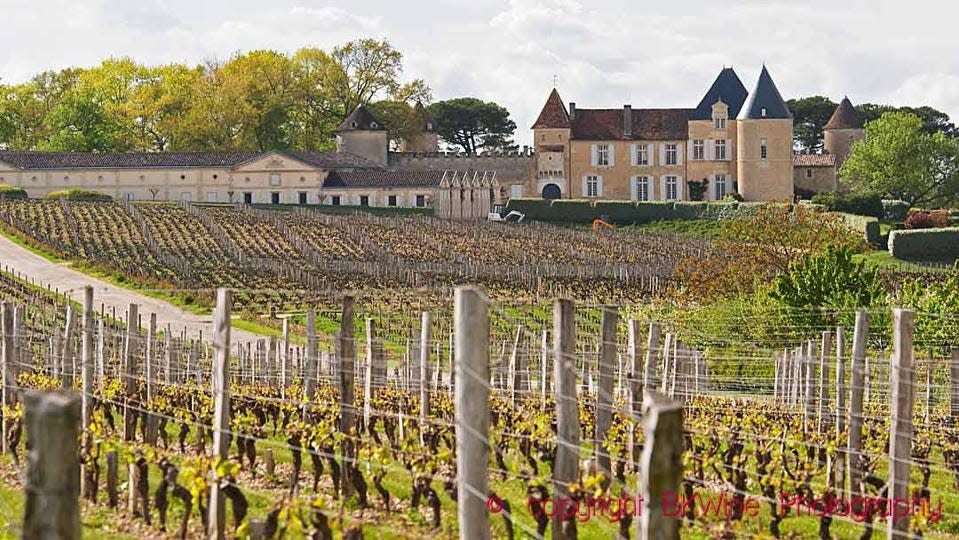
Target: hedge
{"x":925,"y":244}
{"x":12,"y":192}
{"x":629,"y":212}
{"x":852,"y":203}
{"x":895,"y":210}
{"x":867,"y":225}
{"x":78,"y":194}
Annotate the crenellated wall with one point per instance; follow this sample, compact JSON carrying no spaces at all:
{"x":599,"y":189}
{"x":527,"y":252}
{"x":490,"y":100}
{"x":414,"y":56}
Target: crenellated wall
{"x":511,"y":168}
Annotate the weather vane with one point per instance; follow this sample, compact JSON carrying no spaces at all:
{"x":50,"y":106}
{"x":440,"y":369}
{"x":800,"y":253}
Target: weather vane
{"x":555,"y":78}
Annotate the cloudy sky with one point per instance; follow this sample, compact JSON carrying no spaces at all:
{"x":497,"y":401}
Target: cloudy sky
{"x":604,"y":53}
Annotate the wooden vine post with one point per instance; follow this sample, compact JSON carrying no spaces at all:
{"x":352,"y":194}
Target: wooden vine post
{"x":150,"y":421}
{"x":310,"y":371}
{"x":954,"y":384}
{"x":221,"y":411}
{"x":840,"y":417}
{"x":604,"y":394}
{"x":566,"y":464}
{"x":129,"y":374}
{"x":901,"y":386}
{"x":472,"y":414}
{"x":856,"y":390}
{"x":424,"y":374}
{"x":52,"y":508}
{"x":517,"y":362}
{"x":9,"y":366}
{"x":345,"y":355}
{"x":661,"y":467}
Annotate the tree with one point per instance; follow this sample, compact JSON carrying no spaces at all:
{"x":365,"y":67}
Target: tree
{"x":473,"y":124}
{"x":810,"y":115}
{"x":398,"y":118}
{"x":933,"y":121}
{"x":899,"y":160}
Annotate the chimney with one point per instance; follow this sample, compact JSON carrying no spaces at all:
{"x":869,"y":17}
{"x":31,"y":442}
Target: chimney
{"x":628,"y":121}
{"x":572,"y":111}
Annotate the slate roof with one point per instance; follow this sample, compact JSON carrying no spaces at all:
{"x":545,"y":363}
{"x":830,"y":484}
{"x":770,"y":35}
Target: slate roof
{"x":375,"y":178}
{"x":648,"y":124}
{"x":765,"y":96}
{"x":814,"y":160}
{"x":728,"y":88}
{"x":153,"y":160}
{"x":554,"y":114}
{"x":845,"y":117}
{"x":360,"y":119}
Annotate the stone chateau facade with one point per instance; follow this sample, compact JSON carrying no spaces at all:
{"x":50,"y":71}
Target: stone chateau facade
{"x":732,"y":141}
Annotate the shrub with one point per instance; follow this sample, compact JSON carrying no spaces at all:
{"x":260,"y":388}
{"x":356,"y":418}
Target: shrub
{"x":927,"y":220}
{"x":78,"y":194}
{"x":12,"y":192}
{"x":894,"y":210}
{"x":689,"y":210}
{"x":851,"y":203}
{"x":867,"y":226}
{"x":925,"y":244}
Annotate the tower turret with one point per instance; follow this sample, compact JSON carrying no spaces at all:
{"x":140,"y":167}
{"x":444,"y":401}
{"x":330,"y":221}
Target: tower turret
{"x":764,"y":152}
{"x":362,"y":134}
{"x":845,"y":127}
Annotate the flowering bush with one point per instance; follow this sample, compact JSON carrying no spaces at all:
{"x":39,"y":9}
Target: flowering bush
{"x":927,"y":220}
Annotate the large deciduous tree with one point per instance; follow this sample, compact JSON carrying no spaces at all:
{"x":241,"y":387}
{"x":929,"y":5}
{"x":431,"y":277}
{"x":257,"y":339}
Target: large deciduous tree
{"x":810,"y":114}
{"x":898,"y":159}
{"x":473,"y":124}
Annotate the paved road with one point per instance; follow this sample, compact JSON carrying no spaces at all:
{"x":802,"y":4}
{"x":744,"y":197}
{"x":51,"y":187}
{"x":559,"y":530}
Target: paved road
{"x":62,"y":277}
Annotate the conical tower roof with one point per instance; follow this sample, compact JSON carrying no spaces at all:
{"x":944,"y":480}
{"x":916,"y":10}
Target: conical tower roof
{"x":765,"y":98}
{"x":845,"y":117}
{"x":360,"y":119}
{"x":726,"y":88}
{"x":554,"y":114}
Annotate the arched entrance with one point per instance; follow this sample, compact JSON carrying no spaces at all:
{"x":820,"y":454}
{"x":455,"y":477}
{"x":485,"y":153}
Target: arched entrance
{"x":551,"y":191}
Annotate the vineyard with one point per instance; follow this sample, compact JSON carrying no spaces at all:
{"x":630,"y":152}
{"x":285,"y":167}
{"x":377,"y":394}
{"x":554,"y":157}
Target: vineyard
{"x":482,"y":418}
{"x":280,"y":260}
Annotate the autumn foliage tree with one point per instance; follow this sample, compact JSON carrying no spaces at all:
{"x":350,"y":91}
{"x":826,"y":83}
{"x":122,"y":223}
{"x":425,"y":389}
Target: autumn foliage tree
{"x":753,"y":250}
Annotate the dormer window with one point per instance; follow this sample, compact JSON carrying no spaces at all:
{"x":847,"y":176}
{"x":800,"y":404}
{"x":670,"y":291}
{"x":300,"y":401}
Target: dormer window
{"x":353,"y":124}
{"x":374,"y":125}
{"x":429,"y":126}
{"x":762,"y":112}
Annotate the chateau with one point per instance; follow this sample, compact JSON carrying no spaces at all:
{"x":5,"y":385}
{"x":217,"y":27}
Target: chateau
{"x":813,"y":173}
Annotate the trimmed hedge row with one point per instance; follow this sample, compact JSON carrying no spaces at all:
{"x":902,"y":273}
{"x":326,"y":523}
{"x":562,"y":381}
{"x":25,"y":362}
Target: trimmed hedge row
{"x":867,"y":225}
{"x":79,"y":194}
{"x":925,"y":244}
{"x":629,"y":212}
{"x":12,"y":192}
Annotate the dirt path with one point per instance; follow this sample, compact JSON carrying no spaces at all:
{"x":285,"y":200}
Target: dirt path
{"x":62,"y":277}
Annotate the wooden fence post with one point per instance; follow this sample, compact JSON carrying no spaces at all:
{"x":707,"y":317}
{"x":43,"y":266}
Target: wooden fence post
{"x":661,"y":467}
{"x":129,"y":373}
{"x":345,"y":355}
{"x":954,"y":383}
{"x":856,"y":390}
{"x":604,"y":393}
{"x":517,"y":365}
{"x":66,"y":356}
{"x":9,"y":367}
{"x":823,"y":411}
{"x":52,"y":508}
{"x":424,"y":365}
{"x":840,"y":417}
{"x":927,"y":411}
{"x":472,"y":414}
{"x":900,"y":428}
{"x":150,"y":421}
{"x":221,"y":409}
{"x":809,"y":363}
{"x":566,"y":463}
{"x":544,"y":370}
{"x":86,"y":359}
{"x":101,"y":354}
{"x":309,"y":375}
{"x":285,"y":374}
{"x":652,"y":348}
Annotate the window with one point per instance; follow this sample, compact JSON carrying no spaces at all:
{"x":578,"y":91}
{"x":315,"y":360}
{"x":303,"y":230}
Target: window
{"x":721,"y":188}
{"x":762,"y":111}
{"x":420,"y":201}
{"x":699,"y":149}
{"x":592,"y":186}
{"x":642,"y":188}
{"x":642,"y":155}
{"x":672,"y":154}
{"x":210,"y":196}
{"x":516,"y":190}
{"x":302,"y":197}
{"x":721,"y":150}
{"x":391,"y":200}
{"x":275,"y":179}
{"x":274,"y":197}
{"x":602,"y":155}
{"x":247,"y":197}
{"x":672,"y":188}
{"x":719,"y":123}
{"x":763,"y":149}
{"x":186,"y":196}
{"x":335,"y":200}
{"x":808,"y":173}
{"x":364,"y":200}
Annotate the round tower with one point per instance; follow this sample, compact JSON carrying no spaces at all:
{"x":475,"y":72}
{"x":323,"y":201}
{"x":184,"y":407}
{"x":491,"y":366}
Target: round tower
{"x":845,"y":127}
{"x":764,"y":133}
